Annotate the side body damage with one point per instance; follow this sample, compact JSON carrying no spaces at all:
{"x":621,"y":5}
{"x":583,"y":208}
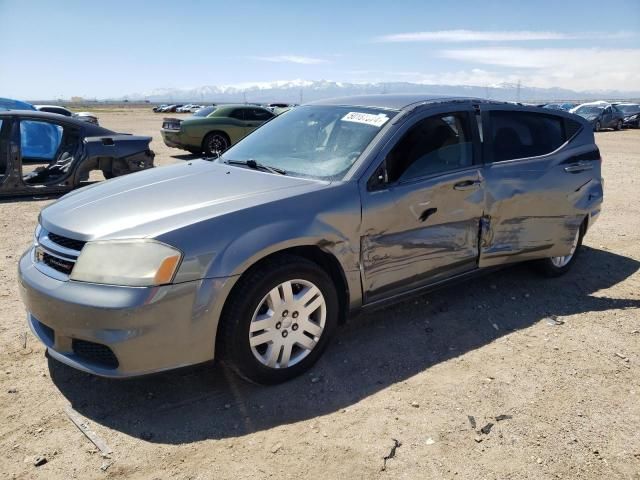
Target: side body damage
{"x":43,"y":153}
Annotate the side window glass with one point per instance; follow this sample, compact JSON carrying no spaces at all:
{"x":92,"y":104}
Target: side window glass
{"x":238,"y":114}
{"x":261,"y":115}
{"x":524,"y":134}
{"x":433,"y":145}
{"x":39,"y":140}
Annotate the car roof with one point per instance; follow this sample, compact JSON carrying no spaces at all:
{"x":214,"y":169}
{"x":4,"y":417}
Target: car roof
{"x":394,"y":101}
{"x":51,"y":106}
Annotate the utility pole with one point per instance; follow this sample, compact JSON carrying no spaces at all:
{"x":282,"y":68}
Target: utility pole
{"x":301,"y":96}
{"x":518,"y":94}
{"x":244,"y":95}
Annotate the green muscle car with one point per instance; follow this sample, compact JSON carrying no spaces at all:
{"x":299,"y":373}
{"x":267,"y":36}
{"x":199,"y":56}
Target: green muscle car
{"x":213,"y":129}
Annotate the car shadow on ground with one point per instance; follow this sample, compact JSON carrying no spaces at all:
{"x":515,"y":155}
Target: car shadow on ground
{"x":370,"y":353}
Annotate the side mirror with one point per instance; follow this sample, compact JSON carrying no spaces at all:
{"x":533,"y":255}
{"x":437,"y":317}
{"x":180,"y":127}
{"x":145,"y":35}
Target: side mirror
{"x":379,"y":178}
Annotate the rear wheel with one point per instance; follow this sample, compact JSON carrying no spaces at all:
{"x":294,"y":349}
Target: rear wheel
{"x":619,"y":125}
{"x":556,"y":266}
{"x":107,"y":173}
{"x":278,"y":320}
{"x":597,"y":127}
{"x":215,"y":143}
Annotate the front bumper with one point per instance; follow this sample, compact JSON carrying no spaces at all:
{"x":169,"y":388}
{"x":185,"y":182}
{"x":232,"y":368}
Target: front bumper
{"x":146,"y":329}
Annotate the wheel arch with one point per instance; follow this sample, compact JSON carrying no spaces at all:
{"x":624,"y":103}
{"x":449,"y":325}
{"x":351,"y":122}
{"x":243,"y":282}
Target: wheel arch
{"x":216,"y":130}
{"x":325,"y":260}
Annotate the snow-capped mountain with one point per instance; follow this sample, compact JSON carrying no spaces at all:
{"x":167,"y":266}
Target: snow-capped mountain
{"x":297,"y":91}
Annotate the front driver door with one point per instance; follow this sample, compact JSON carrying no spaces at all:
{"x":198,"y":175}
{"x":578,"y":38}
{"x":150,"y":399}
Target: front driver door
{"x":421,"y":208}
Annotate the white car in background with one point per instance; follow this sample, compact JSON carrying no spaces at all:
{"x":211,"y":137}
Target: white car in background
{"x":84,"y":116}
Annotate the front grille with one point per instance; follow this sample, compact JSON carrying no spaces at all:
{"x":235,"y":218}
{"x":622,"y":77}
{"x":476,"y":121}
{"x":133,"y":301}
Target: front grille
{"x":63,"y":266}
{"x":95,"y":353}
{"x":66,"y":242}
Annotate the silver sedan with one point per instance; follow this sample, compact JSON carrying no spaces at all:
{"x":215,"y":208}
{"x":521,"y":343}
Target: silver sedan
{"x":333,"y":207}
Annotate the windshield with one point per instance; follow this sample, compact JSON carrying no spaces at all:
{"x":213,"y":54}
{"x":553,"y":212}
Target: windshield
{"x":204,"y":111}
{"x":589,"y":109}
{"x":629,"y":108}
{"x":312,"y":141}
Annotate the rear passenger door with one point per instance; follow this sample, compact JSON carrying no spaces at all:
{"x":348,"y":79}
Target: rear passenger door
{"x":539,"y":176}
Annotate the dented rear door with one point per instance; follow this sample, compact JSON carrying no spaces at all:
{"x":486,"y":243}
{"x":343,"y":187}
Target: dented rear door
{"x":535,"y":204}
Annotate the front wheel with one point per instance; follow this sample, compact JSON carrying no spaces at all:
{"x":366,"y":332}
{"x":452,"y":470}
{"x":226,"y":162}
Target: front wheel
{"x":556,"y":266}
{"x":278,"y":320}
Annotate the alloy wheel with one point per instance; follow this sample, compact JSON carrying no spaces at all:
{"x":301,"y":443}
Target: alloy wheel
{"x":564,"y":260}
{"x":287,"y":324}
{"x":217,"y":143}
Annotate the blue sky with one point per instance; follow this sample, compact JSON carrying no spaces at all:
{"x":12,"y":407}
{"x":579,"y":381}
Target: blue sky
{"x":108,"y":49}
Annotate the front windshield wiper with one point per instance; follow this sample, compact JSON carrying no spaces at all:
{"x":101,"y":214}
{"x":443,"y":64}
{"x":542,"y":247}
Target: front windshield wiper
{"x":256,"y":166}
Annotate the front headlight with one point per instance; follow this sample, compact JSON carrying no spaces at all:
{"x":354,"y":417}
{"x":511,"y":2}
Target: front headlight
{"x":136,"y":263}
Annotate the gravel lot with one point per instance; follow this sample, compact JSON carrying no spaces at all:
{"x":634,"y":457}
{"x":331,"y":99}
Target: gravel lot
{"x":560,"y":358}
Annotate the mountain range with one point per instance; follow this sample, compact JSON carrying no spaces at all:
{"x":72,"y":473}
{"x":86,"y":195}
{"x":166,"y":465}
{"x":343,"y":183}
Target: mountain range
{"x":298,"y":91}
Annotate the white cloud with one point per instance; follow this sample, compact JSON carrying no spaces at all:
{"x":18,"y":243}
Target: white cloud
{"x":576,"y":68}
{"x":491,"y":36}
{"x":291,"y":59}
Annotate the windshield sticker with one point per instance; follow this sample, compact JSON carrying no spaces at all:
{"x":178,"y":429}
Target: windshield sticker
{"x":366,"y":118}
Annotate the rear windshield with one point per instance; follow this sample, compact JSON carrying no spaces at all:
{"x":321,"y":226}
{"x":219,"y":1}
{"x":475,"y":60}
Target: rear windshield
{"x":629,"y":108}
{"x":203,"y":112}
{"x":589,"y":109}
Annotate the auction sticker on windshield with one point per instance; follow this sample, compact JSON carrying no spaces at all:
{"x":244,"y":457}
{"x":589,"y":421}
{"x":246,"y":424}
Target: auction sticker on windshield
{"x":366,"y":118}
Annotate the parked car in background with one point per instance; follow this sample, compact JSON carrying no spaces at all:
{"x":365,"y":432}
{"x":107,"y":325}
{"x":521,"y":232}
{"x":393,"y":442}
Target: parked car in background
{"x":216,"y":132}
{"x":631,"y":113}
{"x":171,"y":108}
{"x":69,"y":147}
{"x":560,"y":106}
{"x":331,"y":208}
{"x":54,"y":109}
{"x":158,"y":108}
{"x":86,"y":117}
{"x":600,"y":115}
{"x":185,"y":108}
{"x":9,"y":104}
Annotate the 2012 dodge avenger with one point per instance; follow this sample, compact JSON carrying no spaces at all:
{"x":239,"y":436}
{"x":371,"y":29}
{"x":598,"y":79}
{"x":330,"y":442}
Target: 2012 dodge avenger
{"x":336,"y":206}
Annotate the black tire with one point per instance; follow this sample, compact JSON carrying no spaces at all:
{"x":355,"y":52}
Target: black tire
{"x":232,"y":345}
{"x":215,"y":142}
{"x":107,"y":173}
{"x":597,"y":127}
{"x":547,"y":268}
{"x":619,"y":125}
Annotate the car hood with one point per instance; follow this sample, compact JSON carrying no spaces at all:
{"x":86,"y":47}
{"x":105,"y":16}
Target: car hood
{"x":159,"y":200}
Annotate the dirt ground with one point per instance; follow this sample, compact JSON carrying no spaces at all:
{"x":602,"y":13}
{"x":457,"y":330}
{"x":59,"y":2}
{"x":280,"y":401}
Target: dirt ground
{"x":560,"y":358}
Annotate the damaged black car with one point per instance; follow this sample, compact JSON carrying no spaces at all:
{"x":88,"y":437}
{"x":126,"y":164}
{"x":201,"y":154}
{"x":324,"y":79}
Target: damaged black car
{"x":45,"y":153}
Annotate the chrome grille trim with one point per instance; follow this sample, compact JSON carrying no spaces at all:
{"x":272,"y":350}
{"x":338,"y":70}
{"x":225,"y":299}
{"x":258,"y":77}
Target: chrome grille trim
{"x":46,"y":245}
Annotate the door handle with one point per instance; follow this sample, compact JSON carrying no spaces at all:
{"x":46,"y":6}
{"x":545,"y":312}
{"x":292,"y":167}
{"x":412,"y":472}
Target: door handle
{"x":427,"y":213}
{"x":579,"y":167}
{"x":467,"y":185}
